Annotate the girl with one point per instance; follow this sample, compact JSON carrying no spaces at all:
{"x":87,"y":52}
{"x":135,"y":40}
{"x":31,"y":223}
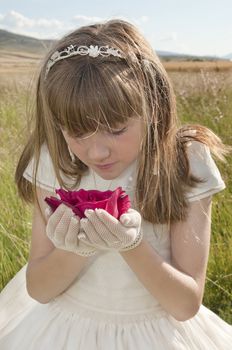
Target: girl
{"x":105,"y":118}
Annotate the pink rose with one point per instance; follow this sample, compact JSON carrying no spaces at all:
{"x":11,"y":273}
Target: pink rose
{"x":114,"y":202}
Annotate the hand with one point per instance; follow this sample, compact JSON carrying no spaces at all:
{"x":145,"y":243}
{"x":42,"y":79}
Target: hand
{"x":63,"y":228}
{"x":101,"y":230}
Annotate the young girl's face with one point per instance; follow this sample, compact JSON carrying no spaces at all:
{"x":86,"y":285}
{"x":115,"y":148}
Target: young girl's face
{"x":108,"y":152}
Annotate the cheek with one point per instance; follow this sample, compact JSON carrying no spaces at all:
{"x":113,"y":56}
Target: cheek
{"x":134,"y":139}
{"x":75,"y":147}
{"x":78,"y":150}
{"x":130,"y":145}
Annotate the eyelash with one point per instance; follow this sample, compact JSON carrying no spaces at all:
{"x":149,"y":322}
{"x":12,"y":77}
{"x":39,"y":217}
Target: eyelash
{"x":119,"y":132}
{"x":114,"y":133}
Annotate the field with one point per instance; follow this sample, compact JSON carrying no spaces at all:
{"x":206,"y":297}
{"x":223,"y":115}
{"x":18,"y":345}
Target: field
{"x":196,"y":66}
{"x":204,"y":95}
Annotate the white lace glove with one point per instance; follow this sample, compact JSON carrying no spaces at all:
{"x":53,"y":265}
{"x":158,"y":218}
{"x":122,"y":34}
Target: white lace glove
{"x":103,"y":231}
{"x":62,"y":229}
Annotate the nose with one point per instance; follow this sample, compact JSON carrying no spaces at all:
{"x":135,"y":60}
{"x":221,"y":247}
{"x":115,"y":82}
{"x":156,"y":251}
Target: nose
{"x":98,"y":151}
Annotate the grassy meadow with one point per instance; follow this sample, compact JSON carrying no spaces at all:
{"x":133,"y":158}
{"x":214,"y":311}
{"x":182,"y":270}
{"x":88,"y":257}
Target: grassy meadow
{"x":203,"y":96}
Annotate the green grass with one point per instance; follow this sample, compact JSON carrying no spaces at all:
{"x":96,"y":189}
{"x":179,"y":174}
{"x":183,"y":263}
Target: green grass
{"x":201,"y":98}
{"x":208,"y":101}
{"x":15,"y":222}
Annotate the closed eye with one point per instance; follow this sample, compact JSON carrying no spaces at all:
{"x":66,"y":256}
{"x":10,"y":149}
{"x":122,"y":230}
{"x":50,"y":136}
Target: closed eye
{"x":119,"y":132}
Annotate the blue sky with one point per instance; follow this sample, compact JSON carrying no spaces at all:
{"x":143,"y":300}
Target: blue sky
{"x":195,"y":27}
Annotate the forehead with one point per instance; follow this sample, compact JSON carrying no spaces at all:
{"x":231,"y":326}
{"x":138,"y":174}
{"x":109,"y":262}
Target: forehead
{"x":94,"y":97}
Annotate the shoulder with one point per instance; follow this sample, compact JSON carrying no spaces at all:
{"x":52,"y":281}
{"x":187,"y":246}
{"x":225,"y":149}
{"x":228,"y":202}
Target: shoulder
{"x":45,"y":176}
{"x":203,"y":166}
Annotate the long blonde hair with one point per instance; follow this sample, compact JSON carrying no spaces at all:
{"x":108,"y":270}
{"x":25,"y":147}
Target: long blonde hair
{"x":109,"y":90}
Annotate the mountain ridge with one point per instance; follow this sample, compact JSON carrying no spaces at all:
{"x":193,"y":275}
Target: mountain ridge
{"x":17,"y":42}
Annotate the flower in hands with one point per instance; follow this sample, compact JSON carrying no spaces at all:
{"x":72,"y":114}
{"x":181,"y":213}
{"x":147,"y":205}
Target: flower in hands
{"x":115,"y":202}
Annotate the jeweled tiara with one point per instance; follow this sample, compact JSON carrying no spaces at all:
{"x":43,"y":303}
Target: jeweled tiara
{"x":72,"y":50}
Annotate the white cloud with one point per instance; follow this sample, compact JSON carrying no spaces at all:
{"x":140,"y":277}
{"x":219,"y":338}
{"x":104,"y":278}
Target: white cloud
{"x":52,"y":28}
{"x":87,"y":19}
{"x":15,"y":19}
{"x":143,"y":19}
{"x":168,"y":37}
{"x":82,"y":20}
{"x":41,"y":27}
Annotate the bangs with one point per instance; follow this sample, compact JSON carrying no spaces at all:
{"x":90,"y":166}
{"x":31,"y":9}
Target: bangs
{"x":94,"y":96}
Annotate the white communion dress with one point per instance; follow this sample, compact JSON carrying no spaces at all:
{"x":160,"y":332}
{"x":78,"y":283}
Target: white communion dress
{"x":107,"y":307}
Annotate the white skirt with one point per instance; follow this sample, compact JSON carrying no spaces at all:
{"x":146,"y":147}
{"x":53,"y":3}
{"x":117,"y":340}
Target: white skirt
{"x":28,"y":325}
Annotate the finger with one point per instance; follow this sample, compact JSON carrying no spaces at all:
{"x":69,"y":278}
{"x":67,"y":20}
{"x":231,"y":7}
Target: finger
{"x":107,"y":236}
{"x":104,"y":216}
{"x":84,"y":241}
{"x":54,"y":220}
{"x":123,"y":234}
{"x":131,"y":218}
{"x":62,"y":227}
{"x":111,"y":223}
{"x":81,"y":235}
{"x":85,"y":247}
{"x":91,"y":234}
{"x":71,"y":239}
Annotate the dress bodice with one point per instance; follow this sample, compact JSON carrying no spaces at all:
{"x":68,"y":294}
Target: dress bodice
{"x":107,"y":282}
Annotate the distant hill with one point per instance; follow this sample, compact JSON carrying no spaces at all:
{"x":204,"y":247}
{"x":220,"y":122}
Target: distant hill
{"x":15,"y":42}
{"x":229,"y":56}
{"x":166,"y":56}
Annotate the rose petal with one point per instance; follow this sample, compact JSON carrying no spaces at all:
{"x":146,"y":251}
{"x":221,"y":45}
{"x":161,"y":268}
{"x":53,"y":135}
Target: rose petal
{"x":114,"y":202}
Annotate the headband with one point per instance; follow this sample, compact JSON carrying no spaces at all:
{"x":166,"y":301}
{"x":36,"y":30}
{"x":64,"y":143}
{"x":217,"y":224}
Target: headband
{"x":73,"y":50}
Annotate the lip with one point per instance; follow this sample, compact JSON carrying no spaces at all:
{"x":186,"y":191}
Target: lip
{"x":104,"y":166}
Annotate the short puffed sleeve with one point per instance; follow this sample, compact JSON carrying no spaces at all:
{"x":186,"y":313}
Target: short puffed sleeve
{"x":203,"y":167}
{"x":45,"y":177}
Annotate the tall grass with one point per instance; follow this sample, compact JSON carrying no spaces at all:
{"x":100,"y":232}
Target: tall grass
{"x":206,"y":98}
{"x":202,"y":97}
{"x":15,"y":219}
